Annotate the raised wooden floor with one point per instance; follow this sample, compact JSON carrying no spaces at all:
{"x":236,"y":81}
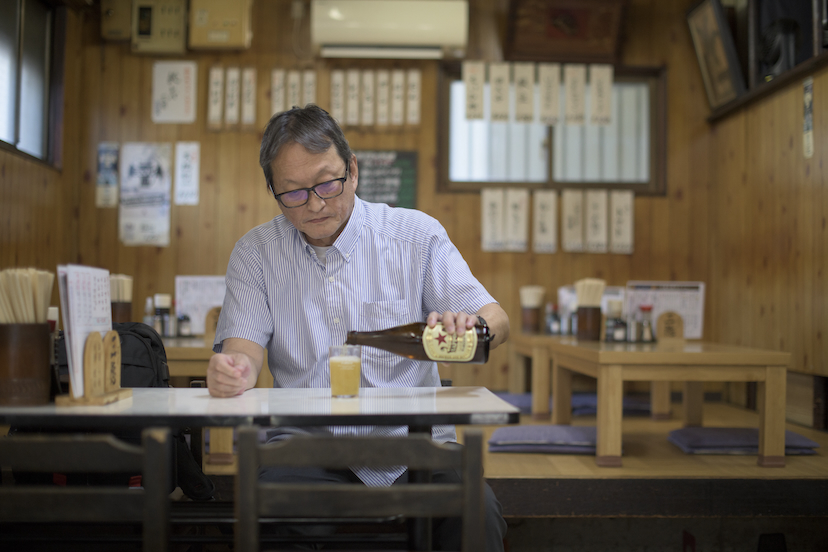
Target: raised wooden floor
{"x":658,"y":479}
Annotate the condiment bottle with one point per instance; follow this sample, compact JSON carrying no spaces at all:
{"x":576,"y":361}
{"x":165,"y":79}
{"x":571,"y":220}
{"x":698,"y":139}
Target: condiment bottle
{"x":646,"y":323}
{"x":419,"y":342}
{"x":616,"y":327}
{"x":553,"y":321}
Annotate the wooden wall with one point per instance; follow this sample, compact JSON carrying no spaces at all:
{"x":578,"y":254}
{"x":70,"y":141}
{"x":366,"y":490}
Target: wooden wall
{"x":744,"y":211}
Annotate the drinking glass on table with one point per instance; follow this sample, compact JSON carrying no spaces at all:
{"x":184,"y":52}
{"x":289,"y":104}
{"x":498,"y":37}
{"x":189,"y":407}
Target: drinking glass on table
{"x":345,"y":368}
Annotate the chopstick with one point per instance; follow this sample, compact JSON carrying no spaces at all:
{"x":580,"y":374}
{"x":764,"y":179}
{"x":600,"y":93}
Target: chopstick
{"x":589,"y":291}
{"x":25,"y":294}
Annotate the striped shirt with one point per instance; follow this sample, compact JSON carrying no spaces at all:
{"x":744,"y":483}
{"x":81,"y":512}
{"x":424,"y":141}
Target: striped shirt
{"x":388,"y":267}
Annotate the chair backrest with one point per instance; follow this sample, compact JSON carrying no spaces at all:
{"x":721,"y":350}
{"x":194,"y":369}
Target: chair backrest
{"x":66,"y":453}
{"x":255,"y":499}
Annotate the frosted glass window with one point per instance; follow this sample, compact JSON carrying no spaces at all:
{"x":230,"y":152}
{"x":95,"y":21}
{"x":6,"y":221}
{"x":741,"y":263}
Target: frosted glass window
{"x":25,"y":64}
{"x":486,"y":151}
{"x":629,"y":153}
{"x":9,"y":16}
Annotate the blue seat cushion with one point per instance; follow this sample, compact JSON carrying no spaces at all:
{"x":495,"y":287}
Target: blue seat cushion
{"x":544,"y":438}
{"x":733,"y":440}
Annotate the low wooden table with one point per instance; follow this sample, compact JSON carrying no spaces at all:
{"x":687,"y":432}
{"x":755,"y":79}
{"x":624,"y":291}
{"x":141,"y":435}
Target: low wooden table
{"x":690,"y":362}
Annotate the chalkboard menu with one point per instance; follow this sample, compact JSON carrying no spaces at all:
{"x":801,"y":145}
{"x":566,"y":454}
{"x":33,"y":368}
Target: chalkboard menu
{"x":388,"y":177}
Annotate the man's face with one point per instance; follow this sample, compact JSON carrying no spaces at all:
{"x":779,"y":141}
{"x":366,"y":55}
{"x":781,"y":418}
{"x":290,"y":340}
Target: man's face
{"x":321,"y":220}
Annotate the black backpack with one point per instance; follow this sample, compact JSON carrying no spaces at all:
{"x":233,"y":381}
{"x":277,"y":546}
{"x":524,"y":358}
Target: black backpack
{"x":143,"y":364}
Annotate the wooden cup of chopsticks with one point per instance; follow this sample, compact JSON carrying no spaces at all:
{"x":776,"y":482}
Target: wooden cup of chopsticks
{"x":25,"y":377}
{"x":589,"y":291}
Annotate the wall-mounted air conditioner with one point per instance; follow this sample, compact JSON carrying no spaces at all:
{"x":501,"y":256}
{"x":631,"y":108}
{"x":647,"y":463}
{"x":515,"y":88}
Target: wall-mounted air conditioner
{"x":397,"y":29}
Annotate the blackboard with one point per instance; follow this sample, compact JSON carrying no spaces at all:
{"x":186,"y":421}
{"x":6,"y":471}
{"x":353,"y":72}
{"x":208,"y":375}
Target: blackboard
{"x":388,"y":177}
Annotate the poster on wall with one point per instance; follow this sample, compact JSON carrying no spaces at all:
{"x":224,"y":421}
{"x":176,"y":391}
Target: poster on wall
{"x":187,"y":164}
{"x":144,"y":214}
{"x":106,"y":184}
{"x":174,"y":91}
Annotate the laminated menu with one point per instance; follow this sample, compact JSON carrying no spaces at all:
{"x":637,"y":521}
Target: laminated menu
{"x":85,"y":303}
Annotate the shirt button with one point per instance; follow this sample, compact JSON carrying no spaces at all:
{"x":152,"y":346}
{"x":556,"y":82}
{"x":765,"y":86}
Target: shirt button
{"x":330,"y":278}
{"x":336,"y":320}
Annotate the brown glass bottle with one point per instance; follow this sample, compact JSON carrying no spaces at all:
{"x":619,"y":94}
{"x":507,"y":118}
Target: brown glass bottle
{"x":419,"y":342}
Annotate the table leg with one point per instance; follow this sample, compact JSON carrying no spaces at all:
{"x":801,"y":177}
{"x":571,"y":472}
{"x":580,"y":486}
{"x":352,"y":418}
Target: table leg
{"x":561,"y":393}
{"x":610,"y":412}
{"x":660,"y":400}
{"x":540,"y":383}
{"x":692,"y":403}
{"x":221,"y":446}
{"x":517,"y":371}
{"x":771,"y":396}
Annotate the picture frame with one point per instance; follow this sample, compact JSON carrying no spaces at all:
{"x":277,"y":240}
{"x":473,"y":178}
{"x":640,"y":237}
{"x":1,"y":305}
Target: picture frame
{"x":716,"y":53}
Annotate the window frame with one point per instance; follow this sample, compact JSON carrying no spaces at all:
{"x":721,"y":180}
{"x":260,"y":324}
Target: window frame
{"x":53,"y":157}
{"x":656,"y":78}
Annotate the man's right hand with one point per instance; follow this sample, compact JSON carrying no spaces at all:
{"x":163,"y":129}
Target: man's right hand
{"x":228,"y":374}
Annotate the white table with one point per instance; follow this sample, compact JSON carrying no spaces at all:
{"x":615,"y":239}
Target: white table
{"x":417,"y":407}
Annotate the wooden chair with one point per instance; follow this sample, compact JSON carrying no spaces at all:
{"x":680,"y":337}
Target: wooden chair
{"x":99,"y":454}
{"x":257,"y":500}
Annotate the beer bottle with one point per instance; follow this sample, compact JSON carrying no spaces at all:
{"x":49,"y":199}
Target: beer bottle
{"x":419,"y":342}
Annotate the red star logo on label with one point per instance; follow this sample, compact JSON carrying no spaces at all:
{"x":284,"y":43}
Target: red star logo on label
{"x":441,"y":339}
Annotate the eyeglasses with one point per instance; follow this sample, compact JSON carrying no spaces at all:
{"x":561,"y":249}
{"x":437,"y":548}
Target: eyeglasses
{"x":325,"y":190}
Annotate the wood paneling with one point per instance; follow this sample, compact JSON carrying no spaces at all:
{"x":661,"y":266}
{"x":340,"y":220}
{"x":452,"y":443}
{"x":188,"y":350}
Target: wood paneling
{"x":743,"y":212}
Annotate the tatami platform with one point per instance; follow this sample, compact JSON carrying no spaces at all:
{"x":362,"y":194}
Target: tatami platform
{"x":658,"y":479}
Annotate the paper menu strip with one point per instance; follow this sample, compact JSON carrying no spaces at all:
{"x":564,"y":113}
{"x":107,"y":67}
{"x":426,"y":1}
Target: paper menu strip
{"x":596,"y":221}
{"x":545,"y":221}
{"x":517,"y":219}
{"x":492,"y":204}
{"x":85,"y":305}
{"x":572,"y":224}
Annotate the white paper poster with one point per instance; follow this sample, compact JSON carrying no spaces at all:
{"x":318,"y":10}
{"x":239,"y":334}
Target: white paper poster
{"x":549,"y":79}
{"x":621,"y":221}
{"x":174,"y":91}
{"x":196,"y":295}
{"x":367,"y":97}
{"x":106,"y":184}
{"x":573,"y":220}
{"x":215,"y":97}
{"x":413,"y":97}
{"x":524,"y":92}
{"x":600,"y":94}
{"x":545,"y":221}
{"x":144,"y":214}
{"x":248,"y":98}
{"x":308,"y":87}
{"x":338,"y":95}
{"x":352,"y":97}
{"x":492,"y":204}
{"x":383,"y":96}
{"x":575,"y":96}
{"x":499,"y":91}
{"x":187,"y":166}
{"x":596,"y":221}
{"x":232,"y":96}
{"x":474,"y":77}
{"x":277,"y":91}
{"x":517,"y":219}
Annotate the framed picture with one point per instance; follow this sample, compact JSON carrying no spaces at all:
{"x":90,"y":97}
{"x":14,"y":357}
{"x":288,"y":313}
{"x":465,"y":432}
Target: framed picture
{"x":716,"y":53}
{"x":572,"y":31}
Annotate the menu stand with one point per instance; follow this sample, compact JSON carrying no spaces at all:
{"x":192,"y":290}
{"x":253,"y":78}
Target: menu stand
{"x":101,"y":373}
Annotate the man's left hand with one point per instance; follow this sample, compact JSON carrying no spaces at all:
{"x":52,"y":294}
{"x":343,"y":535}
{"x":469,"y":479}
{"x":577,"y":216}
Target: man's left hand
{"x":453,"y":322}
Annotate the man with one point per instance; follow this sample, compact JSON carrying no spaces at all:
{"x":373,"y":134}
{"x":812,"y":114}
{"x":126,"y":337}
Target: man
{"x":331,"y":263}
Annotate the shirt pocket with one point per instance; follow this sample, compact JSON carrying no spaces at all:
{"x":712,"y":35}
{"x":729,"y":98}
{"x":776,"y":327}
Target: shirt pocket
{"x":380,"y":315}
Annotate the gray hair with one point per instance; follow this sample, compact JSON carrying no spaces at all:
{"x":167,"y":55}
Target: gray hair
{"x":311,"y":127}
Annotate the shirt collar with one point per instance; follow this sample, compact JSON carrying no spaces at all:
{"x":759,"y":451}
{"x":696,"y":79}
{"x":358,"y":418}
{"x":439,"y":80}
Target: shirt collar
{"x":347,"y":240}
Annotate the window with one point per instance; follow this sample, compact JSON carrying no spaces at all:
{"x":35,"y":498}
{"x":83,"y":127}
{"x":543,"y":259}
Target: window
{"x":28,"y":92}
{"x":628,"y":154}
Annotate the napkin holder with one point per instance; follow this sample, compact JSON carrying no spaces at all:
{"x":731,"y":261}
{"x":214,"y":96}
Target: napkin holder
{"x":101,"y":373}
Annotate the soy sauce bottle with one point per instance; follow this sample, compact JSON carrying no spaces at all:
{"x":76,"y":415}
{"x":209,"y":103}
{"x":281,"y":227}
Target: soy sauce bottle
{"x":419,"y":342}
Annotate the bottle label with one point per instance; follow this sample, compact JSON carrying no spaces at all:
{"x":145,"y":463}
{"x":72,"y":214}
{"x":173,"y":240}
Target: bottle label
{"x":443,"y":347}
